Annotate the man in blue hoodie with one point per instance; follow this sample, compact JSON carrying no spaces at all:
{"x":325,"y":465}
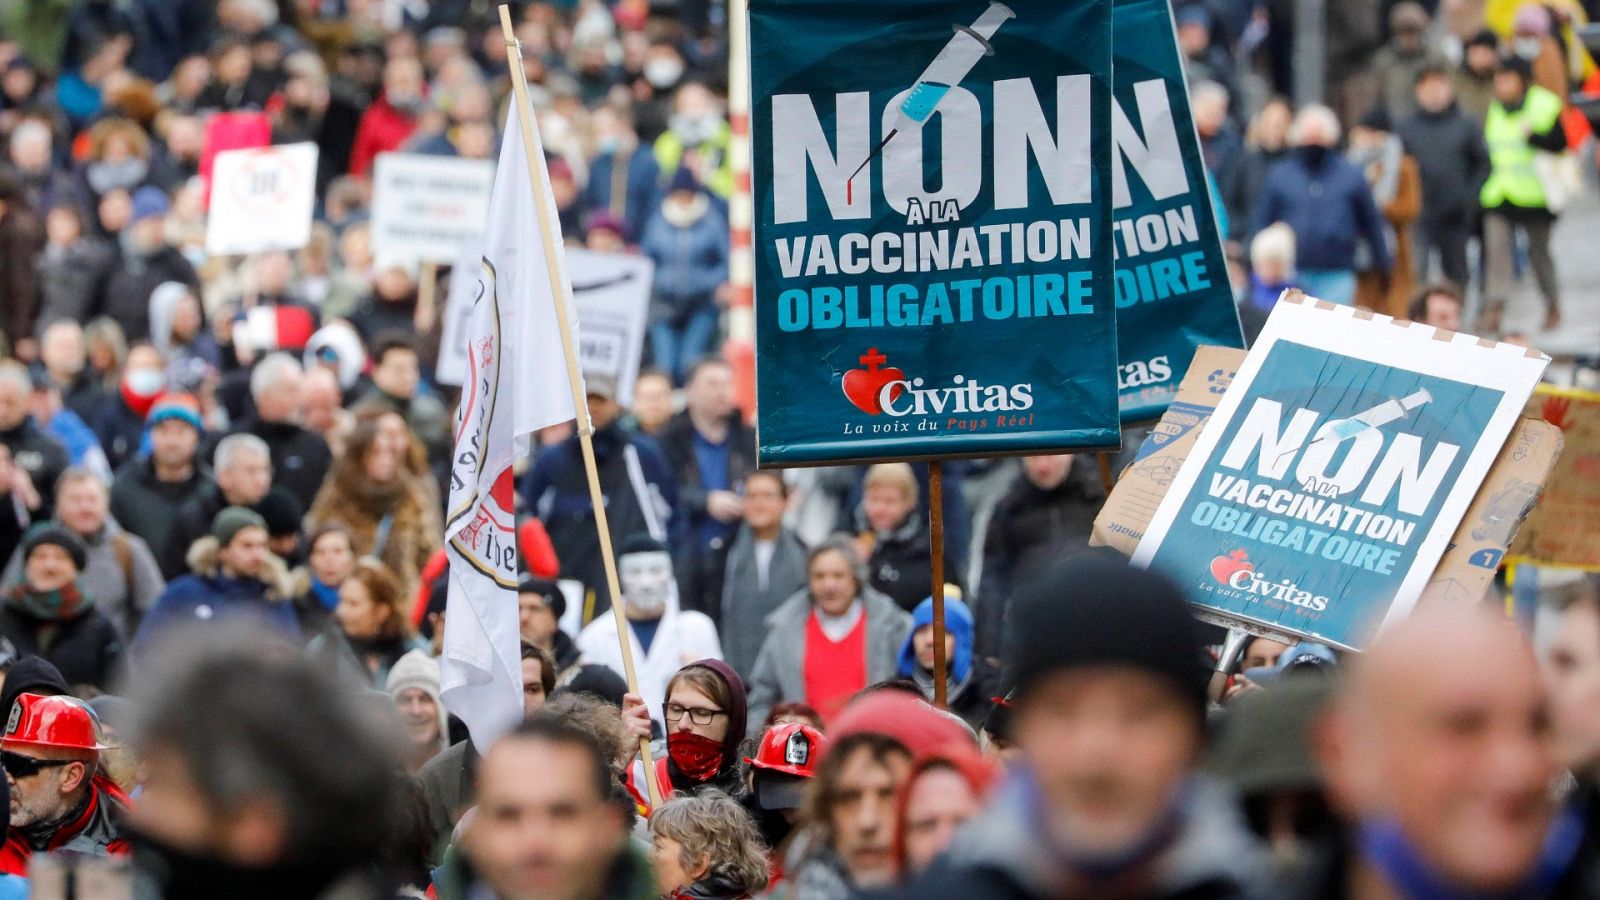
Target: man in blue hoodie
{"x":1326,"y":200}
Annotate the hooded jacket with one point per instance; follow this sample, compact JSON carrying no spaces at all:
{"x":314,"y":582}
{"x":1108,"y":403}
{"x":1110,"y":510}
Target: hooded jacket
{"x":209,"y":595}
{"x":731,"y":774}
{"x":972,"y":681}
{"x":779,"y":674}
{"x":1002,"y":855}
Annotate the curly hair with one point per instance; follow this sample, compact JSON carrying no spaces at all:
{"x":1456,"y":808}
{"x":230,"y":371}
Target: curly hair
{"x":714,"y":830}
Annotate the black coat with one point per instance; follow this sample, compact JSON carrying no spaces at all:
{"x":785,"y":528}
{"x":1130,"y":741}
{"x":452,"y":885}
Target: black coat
{"x":41,"y":456}
{"x":700,"y":566}
{"x":1029,"y":528}
{"x":126,"y":285}
{"x":1452,"y":160}
{"x":901,"y":564}
{"x":87,"y":649}
{"x":300,"y":458}
{"x":120,"y":430}
{"x":148,"y":507}
{"x":192,"y":523}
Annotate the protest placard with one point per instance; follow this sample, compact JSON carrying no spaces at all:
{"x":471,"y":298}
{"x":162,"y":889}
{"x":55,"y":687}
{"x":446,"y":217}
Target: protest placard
{"x":1324,"y":489}
{"x":1173,"y":293}
{"x":425,"y":208}
{"x":612,"y":294}
{"x":262,"y":199}
{"x":1564,"y":529}
{"x":933,"y":249}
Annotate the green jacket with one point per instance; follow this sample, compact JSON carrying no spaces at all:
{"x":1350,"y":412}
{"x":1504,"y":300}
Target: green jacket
{"x":631,"y":877}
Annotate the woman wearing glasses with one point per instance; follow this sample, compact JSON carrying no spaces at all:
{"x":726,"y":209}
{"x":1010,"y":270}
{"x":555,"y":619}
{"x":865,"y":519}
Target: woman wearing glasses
{"x":704,"y":714}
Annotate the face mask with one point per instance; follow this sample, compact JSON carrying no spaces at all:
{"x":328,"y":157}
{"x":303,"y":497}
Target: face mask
{"x":695,"y":755}
{"x":1313,"y":154}
{"x":145,"y":382}
{"x":1526,"y":47}
{"x":663,"y":73}
{"x":408,"y":103}
{"x":609,"y":144}
{"x":646,"y":581}
{"x":694,"y":129}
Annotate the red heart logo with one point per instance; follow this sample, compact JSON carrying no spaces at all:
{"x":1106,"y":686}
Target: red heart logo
{"x":863,"y":387}
{"x":1224,"y":568}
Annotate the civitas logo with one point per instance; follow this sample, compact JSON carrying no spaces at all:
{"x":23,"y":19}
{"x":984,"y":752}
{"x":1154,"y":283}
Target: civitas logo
{"x":879,"y":390}
{"x":1235,"y":570}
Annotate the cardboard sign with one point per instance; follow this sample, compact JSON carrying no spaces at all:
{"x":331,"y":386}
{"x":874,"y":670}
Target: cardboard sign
{"x":1463,"y":574}
{"x":425,"y":208}
{"x":1173,"y":293}
{"x":262,"y":199}
{"x":612,"y":295}
{"x":1564,"y":529}
{"x":933,"y":248}
{"x":1325,"y":488}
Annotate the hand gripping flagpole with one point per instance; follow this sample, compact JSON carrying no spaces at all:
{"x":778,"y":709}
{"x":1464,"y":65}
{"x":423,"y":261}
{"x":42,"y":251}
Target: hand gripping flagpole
{"x":558,"y":290}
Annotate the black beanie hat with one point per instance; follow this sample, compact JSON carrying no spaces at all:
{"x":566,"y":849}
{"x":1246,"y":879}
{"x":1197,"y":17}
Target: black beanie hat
{"x":544,"y":587}
{"x":640,"y":542}
{"x":281,"y":511}
{"x":1097,"y":612}
{"x":51,"y":533}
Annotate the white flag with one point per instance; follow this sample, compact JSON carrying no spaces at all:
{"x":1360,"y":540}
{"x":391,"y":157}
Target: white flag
{"x":516,"y":384}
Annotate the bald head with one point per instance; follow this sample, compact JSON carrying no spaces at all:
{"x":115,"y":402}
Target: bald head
{"x":1443,"y":730}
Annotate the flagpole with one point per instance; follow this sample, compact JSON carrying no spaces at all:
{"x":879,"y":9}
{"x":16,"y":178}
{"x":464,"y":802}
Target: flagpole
{"x":534,"y":150}
{"x":936,"y":538}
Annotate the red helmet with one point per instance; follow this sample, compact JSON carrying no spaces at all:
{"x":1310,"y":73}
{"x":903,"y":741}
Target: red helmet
{"x":790,"y":749}
{"x":58,"y":722}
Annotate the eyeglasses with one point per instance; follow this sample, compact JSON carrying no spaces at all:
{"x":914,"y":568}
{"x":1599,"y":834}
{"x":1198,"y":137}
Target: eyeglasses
{"x":19,"y":766}
{"x":697,"y":714}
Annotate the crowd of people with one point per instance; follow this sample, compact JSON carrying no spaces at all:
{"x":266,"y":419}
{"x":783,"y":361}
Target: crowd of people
{"x":222,"y":576}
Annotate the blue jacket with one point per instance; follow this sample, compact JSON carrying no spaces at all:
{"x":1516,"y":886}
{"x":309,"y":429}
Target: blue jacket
{"x":556,"y":490}
{"x":207,"y":595}
{"x":691,"y":262}
{"x":1330,"y":208}
{"x":642,"y":193}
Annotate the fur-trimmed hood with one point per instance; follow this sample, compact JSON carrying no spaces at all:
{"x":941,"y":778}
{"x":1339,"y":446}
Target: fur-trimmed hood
{"x":202,"y":559}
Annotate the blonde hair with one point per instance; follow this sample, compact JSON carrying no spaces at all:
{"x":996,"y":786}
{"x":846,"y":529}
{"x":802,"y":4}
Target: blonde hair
{"x":1276,"y":242}
{"x":715,"y":828}
{"x":897,"y":475}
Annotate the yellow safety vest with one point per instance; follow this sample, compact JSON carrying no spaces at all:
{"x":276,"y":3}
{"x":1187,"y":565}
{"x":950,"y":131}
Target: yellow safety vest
{"x":1512,"y":177}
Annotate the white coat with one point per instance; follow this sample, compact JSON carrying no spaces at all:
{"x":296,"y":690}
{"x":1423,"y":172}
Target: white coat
{"x":683,"y":637}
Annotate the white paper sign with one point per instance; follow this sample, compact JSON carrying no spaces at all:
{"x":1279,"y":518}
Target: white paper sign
{"x":424,"y":208}
{"x":612,"y":293}
{"x":262,"y":199}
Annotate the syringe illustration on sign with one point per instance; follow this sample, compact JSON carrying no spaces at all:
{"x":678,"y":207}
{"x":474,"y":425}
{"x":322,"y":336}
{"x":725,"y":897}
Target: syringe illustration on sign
{"x":1337,"y":431}
{"x":968,"y":45}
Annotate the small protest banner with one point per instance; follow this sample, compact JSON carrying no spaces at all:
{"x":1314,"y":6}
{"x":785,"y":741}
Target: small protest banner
{"x":933,"y":250}
{"x":1564,"y":529}
{"x":425,"y":208}
{"x":262,"y":199}
{"x":1323,"y":491}
{"x":611,"y":292}
{"x":1173,"y":293}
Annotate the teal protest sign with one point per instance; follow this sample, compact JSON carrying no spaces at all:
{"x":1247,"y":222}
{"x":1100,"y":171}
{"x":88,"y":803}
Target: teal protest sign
{"x":1323,"y":491}
{"x":933,"y":228}
{"x":1172,"y":290}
